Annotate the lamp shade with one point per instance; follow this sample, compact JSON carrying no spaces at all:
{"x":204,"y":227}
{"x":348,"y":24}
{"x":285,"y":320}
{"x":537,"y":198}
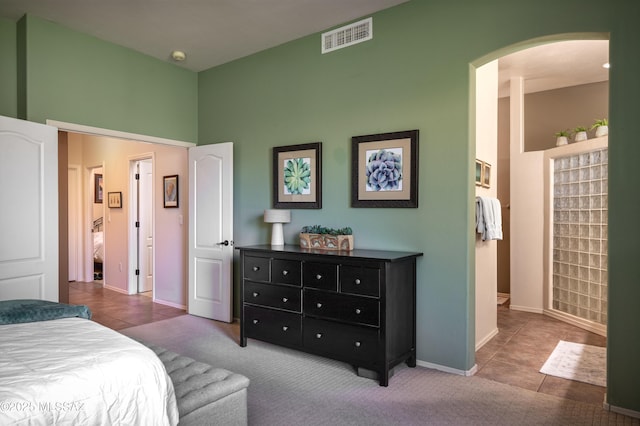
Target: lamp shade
{"x":277,"y":216}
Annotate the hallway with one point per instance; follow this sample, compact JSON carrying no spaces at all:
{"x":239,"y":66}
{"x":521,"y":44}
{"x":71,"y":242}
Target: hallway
{"x":525,"y":341}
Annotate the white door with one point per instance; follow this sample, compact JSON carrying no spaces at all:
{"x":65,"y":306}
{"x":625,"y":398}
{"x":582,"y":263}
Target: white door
{"x":145,"y":236}
{"x":29,"y":210}
{"x":211,"y":231}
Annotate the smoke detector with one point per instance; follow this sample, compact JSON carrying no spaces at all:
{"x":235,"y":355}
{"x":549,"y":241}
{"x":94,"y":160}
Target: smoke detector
{"x":178,"y":55}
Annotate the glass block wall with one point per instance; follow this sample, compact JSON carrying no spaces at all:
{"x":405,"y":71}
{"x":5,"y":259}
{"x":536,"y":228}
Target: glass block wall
{"x":580,"y":217}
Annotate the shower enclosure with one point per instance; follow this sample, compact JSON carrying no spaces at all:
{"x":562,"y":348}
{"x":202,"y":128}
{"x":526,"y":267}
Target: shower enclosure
{"x":577,"y":244}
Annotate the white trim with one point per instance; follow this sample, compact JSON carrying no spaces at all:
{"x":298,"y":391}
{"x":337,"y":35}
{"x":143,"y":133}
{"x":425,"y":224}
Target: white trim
{"x":116,"y":289}
{"x":526,"y":309}
{"x":166,"y":303}
{"x":97,"y":131}
{"x":446,"y":369}
{"x":486,"y":339}
{"x":585,"y":324}
{"x":621,"y":410}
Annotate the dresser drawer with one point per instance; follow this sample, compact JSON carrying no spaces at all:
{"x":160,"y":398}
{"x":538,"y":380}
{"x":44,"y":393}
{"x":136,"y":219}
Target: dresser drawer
{"x":345,"y":341}
{"x":286,"y":272}
{"x":320,"y":275}
{"x":270,"y":295}
{"x":256,"y":268}
{"x":360,"y":280}
{"x":341,"y":307}
{"x":273,"y":326}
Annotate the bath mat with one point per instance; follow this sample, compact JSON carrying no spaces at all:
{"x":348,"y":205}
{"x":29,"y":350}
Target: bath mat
{"x":575,"y":361}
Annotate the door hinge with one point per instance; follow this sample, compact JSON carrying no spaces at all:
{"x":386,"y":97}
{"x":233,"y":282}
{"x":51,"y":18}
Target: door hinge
{"x":137,"y":271}
{"x":137,"y":176}
{"x":137,"y":224}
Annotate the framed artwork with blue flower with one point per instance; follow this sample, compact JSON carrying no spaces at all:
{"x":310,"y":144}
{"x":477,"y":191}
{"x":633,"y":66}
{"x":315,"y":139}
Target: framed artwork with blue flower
{"x":297,"y":176}
{"x":385,"y":170}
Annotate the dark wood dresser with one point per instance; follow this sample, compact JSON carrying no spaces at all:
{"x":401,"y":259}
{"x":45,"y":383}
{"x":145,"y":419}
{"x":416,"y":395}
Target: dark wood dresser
{"x":355,"y":306}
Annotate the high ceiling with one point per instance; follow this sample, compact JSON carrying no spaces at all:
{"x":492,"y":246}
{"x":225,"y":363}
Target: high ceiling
{"x":210,"y":32}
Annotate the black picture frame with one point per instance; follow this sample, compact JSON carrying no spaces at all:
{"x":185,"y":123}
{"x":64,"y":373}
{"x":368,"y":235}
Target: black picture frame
{"x":307,"y":194}
{"x":97,"y":188}
{"x":115,"y":200}
{"x":385,"y":170}
{"x":479,"y":170}
{"x":170,"y":190}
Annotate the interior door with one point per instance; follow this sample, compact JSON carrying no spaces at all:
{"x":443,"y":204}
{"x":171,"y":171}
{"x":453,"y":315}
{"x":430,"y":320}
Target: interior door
{"x":29,"y":210}
{"x":146,"y":227}
{"x":211,"y":231}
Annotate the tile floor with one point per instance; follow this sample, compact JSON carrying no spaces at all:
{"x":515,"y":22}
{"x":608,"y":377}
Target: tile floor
{"x":525,"y":341}
{"x":514,"y":356}
{"x":116,"y":310}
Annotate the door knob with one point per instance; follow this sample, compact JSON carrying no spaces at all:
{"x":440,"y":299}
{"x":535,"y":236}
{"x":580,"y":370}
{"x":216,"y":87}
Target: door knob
{"x":224,"y":243}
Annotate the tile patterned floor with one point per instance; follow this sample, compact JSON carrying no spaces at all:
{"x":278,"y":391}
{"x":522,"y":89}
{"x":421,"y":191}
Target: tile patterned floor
{"x":116,"y":310}
{"x":525,"y":341}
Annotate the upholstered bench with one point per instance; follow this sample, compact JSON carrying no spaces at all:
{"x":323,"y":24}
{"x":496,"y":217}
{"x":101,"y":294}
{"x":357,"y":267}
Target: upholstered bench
{"x":205,"y":395}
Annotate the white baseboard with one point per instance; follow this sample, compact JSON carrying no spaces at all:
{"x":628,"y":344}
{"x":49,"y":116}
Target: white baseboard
{"x":526,"y":309}
{"x":167,"y":303}
{"x":578,"y":322}
{"x":620,"y":410}
{"x":446,"y":369}
{"x":488,"y":337}
{"x":116,"y":289}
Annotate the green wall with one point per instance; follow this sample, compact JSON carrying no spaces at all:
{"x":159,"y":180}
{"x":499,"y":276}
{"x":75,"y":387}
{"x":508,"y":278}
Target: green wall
{"x":80,"y":79}
{"x":8,"y":69}
{"x":415,"y":74}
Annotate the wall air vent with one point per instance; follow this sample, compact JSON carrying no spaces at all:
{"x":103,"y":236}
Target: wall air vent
{"x":348,"y":35}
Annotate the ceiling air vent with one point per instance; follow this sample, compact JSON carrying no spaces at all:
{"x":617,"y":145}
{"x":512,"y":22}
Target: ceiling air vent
{"x":348,"y":35}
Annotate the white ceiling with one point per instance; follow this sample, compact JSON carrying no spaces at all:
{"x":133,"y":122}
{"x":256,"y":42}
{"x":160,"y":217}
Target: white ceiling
{"x":211,"y":32}
{"x":555,"y":65}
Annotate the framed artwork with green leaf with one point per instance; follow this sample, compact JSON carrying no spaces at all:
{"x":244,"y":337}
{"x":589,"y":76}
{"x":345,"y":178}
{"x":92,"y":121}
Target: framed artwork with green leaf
{"x":297,"y":176}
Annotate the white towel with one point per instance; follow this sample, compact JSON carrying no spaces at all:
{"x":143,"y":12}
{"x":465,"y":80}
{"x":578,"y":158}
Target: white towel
{"x":489,"y":218}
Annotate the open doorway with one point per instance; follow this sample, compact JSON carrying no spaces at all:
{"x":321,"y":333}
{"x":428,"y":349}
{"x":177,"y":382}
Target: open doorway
{"x":141,"y":235}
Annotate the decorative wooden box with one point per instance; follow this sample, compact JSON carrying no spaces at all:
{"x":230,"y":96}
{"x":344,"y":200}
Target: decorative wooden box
{"x":326,"y":241}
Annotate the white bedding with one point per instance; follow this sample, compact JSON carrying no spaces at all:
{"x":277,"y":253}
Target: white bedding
{"x":98,"y":246}
{"x":75,"y":371}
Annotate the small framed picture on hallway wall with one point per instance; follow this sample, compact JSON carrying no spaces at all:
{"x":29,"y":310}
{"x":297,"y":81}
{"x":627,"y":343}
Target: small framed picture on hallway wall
{"x":115,"y":200}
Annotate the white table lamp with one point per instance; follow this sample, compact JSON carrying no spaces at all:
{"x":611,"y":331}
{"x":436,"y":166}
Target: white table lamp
{"x":277,"y":217}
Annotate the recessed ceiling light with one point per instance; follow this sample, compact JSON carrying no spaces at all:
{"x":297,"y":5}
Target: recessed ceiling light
{"x":178,"y":55}
{"x":606,"y":65}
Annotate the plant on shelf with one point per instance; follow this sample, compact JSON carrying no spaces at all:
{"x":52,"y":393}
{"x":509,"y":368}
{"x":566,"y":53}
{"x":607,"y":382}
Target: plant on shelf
{"x":602,"y":127}
{"x":580,"y":134}
{"x":562,"y":137}
{"x":323,"y":238}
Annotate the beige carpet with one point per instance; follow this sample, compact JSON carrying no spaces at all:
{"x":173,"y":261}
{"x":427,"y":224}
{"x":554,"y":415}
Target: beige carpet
{"x":289,"y":387}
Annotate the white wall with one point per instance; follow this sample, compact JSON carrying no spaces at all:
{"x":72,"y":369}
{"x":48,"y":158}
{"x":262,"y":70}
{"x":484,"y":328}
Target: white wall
{"x":487,"y":251}
{"x":527,"y":219}
{"x":171,"y":226}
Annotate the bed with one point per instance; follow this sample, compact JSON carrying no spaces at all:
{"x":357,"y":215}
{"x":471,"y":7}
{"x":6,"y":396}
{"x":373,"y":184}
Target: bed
{"x":59,"y":367}
{"x":98,"y":248}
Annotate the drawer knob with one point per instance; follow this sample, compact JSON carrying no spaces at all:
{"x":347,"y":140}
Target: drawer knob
{"x":285,"y":272}
{"x":318,"y":335}
{"x":256,"y":268}
{"x":357,"y":281}
{"x":256,"y":294}
{"x":318,"y":277}
{"x":285,"y":300}
{"x":285,"y":328}
{"x":358,"y":311}
{"x":255,"y":321}
{"x":358,"y":344}
{"x":319,"y":305}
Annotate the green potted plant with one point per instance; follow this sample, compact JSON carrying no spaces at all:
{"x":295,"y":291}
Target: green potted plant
{"x":601,"y":126}
{"x":580,"y":134}
{"x":562,"y":137}
{"x":323,"y":238}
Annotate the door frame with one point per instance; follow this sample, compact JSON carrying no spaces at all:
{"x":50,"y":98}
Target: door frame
{"x":132,"y":286}
{"x":97,"y":131}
